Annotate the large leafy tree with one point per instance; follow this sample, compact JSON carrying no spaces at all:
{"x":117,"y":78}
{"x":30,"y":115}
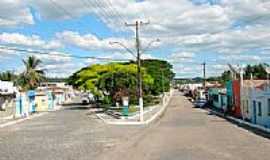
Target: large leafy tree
{"x":113,"y":80}
{"x":161,"y":72}
{"x":257,"y":71}
{"x":32,"y":75}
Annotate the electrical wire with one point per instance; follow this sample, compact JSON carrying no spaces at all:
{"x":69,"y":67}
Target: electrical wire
{"x":22,"y":50}
{"x":71,"y":16}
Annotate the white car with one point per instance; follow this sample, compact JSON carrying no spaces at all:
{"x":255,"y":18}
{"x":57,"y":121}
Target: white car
{"x":87,"y":98}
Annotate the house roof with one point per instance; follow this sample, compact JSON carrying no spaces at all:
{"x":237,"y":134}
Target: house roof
{"x":259,"y":84}
{"x":254,"y":83}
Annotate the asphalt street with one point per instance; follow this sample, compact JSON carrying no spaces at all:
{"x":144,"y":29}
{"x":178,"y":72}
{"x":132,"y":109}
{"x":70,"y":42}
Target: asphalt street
{"x":183,"y":133}
{"x":187,"y":133}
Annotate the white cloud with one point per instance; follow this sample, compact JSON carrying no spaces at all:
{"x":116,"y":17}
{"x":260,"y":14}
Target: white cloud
{"x":234,"y":30}
{"x":181,"y":57}
{"x":14,"y":13}
{"x":33,"y":41}
{"x":91,"y":42}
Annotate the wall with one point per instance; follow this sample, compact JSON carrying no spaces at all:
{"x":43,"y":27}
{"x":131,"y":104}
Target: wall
{"x":41,"y":103}
{"x":236,"y":110}
{"x":229,"y":93}
{"x":8,"y":106}
{"x":261,"y":96}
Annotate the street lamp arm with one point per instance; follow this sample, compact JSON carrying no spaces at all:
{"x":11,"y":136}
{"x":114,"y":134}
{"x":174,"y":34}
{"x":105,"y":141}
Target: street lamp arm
{"x":122,"y":45}
{"x":150,"y":44}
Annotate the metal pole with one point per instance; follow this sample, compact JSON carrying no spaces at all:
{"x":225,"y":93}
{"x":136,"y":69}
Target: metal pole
{"x":204,"y":76}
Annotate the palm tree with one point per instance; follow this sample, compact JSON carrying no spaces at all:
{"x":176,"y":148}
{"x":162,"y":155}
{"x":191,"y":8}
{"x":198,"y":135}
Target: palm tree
{"x":32,"y":76}
{"x":7,"y":76}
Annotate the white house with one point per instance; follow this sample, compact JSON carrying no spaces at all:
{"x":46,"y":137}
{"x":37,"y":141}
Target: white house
{"x":7,"y":87}
{"x":255,"y":102}
{"x":7,"y":93}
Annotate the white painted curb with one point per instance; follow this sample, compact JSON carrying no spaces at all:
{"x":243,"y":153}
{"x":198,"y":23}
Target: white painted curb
{"x":158,"y":114}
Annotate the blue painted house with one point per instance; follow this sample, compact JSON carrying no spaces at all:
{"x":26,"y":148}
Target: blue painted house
{"x":218,"y":98}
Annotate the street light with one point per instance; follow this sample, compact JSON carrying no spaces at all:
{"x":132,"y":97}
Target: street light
{"x":151,"y":43}
{"x":122,"y":45}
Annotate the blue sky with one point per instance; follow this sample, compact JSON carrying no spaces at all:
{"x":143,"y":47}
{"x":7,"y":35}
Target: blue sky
{"x":191,"y":32}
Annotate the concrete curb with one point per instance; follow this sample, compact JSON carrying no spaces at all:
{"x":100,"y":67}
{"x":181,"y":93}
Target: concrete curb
{"x":23,"y":119}
{"x":239,"y":121}
{"x":147,"y":122}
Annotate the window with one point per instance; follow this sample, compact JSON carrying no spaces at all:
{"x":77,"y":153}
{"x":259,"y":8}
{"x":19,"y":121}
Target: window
{"x":268,"y":106}
{"x":215,"y":97}
{"x":259,"y":109}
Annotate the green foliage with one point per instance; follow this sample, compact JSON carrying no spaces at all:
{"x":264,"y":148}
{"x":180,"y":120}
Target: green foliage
{"x":32,"y":76}
{"x":7,"y":76}
{"x":257,"y":71}
{"x":161,"y":72}
{"x":113,"y":80}
{"x":226,"y":76}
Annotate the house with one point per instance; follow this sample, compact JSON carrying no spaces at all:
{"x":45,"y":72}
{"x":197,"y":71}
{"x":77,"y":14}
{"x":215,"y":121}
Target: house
{"x":229,"y":94}
{"x":256,"y":102}
{"x":234,"y":98}
{"x":44,"y":101}
{"x":7,"y":98}
{"x":218,"y":98}
{"x":62,"y":92}
{"x":31,"y":99}
{"x":22,"y":105}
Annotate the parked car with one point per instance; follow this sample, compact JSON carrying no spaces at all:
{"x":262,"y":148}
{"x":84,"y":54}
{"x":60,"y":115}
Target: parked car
{"x":200,"y":103}
{"x":87,"y":98}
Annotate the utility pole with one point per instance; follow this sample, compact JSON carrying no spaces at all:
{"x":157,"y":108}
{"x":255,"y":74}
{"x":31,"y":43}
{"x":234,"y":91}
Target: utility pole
{"x":204,"y":75}
{"x":139,"y":77}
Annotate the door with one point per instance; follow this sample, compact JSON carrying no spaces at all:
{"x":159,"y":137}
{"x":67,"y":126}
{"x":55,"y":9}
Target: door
{"x":254,"y":112}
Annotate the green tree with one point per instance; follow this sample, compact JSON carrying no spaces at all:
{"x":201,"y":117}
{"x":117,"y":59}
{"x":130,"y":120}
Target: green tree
{"x":161,"y":72}
{"x":112,"y":80}
{"x":32,"y":76}
{"x":257,"y":71}
{"x":7,"y":76}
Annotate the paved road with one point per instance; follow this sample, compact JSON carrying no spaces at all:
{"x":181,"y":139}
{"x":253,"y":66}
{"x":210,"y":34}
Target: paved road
{"x":183,"y":133}
{"x":70,"y":134}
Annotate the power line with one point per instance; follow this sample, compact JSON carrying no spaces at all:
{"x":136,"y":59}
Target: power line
{"x":19,"y":50}
{"x":115,"y":11}
{"x":108,"y":12}
{"x":65,"y":11}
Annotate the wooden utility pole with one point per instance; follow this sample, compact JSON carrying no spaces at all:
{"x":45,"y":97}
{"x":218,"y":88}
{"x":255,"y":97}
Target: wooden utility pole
{"x":139,"y":76}
{"x":204,"y":75}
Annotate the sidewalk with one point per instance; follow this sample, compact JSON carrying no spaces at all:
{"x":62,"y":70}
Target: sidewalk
{"x":250,"y":126}
{"x":150,"y":114}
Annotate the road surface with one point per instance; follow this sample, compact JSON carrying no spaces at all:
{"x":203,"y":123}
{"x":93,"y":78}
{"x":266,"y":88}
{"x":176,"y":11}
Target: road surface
{"x":183,"y":133}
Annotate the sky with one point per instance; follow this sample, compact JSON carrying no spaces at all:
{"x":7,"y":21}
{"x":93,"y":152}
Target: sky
{"x":191,"y":32}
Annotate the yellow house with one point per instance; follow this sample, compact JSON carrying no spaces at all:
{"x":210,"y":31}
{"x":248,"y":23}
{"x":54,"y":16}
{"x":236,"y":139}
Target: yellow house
{"x":42,"y":102}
